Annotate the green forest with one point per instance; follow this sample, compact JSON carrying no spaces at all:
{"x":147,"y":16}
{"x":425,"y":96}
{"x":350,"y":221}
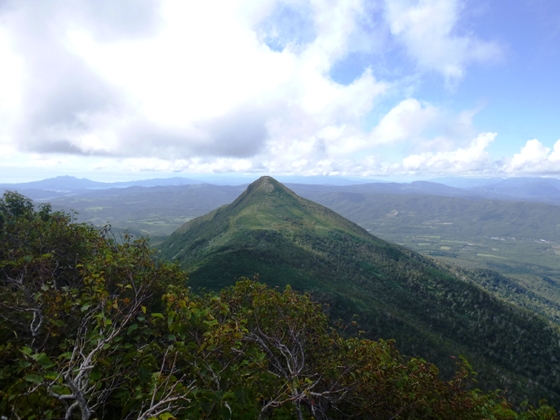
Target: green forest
{"x":431,"y":310}
{"x":517,"y":239}
{"x":93,"y":328}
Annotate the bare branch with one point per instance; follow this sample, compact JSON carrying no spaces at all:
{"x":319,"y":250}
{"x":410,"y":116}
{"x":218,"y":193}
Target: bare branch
{"x":165,"y":397}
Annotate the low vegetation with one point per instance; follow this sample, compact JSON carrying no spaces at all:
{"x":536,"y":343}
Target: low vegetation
{"x":431,"y":310}
{"x":95,"y":328}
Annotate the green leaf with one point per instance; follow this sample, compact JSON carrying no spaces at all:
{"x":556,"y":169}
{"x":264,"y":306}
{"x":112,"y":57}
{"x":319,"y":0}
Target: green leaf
{"x":24,"y":363}
{"x":95,"y":375}
{"x":51,"y":376}
{"x":27,"y":350}
{"x":36,"y":379}
{"x":60,"y":389}
{"x":44,"y":361}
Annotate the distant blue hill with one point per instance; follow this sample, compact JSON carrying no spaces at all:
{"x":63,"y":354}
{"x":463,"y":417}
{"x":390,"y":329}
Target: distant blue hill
{"x":545,"y":190}
{"x":325,"y":180}
{"x":532,"y":189}
{"x":460,"y":182}
{"x":62,"y":185}
{"x":416,"y":187}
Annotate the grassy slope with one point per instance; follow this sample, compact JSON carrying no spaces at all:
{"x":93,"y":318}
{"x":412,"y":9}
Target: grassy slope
{"x":397,"y":293}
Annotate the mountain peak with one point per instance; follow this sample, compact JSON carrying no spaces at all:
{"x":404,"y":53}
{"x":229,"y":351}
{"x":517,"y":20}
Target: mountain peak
{"x":265,"y":188}
{"x":398,"y":294}
{"x":266,"y":205}
{"x":266,"y":184}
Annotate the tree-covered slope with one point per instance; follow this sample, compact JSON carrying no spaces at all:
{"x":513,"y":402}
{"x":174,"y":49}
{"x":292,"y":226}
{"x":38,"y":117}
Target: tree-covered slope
{"x":95,"y":329}
{"x":469,"y":218}
{"x":519,"y":240}
{"x":396,"y":293}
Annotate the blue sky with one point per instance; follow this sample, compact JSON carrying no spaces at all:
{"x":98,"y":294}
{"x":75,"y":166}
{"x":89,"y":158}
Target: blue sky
{"x":387,"y":89}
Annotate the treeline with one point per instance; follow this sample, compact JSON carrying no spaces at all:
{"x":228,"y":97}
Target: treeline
{"x":91,"y":327}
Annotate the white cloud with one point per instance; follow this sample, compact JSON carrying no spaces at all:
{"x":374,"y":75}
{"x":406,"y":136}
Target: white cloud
{"x":11,"y":84}
{"x":407,"y":120}
{"x":201,"y":84}
{"x":428,"y":30}
{"x":418,"y":127}
{"x":534,"y":158}
{"x":227,"y":85}
{"x":463,"y":161}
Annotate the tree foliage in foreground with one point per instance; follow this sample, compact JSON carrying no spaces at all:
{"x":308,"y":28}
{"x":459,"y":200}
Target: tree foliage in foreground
{"x":91,"y":328}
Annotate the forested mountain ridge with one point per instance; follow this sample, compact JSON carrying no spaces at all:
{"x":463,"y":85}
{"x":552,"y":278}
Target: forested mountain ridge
{"x":396,"y":293}
{"x":95,"y":329}
{"x":519,"y":240}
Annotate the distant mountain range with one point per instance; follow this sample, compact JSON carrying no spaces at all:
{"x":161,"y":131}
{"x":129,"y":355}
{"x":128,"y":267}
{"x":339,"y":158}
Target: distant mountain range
{"x":69,"y":185}
{"x":545,"y":190}
{"x":432,"y":311}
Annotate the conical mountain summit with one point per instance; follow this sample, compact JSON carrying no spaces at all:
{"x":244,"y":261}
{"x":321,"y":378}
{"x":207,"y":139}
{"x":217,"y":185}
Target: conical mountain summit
{"x":395,"y":293}
{"x":267,"y":201}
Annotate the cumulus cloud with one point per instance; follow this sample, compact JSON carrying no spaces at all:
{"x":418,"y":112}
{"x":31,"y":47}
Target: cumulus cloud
{"x":428,"y":29}
{"x":405,"y":122}
{"x":465,"y":161}
{"x":228,"y":85}
{"x":534,"y":158}
{"x":418,"y":126}
{"x":196,"y":82}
